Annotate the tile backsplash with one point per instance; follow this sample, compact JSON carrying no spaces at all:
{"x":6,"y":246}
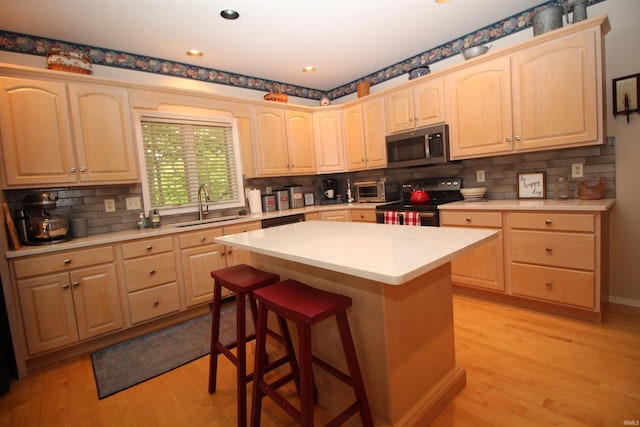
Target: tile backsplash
{"x":500,"y":180}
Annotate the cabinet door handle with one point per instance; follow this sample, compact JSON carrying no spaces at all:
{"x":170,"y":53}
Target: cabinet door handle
{"x":83,"y":169}
{"x":517,"y":138}
{"x":65,"y":286}
{"x":76,"y":284}
{"x":152,"y":271}
{"x":547,"y":221}
{"x":229,"y":252}
{"x":548,"y":249}
{"x":72,"y":170}
{"x":508,"y":139}
{"x":156,"y":303}
{"x":66,"y":261}
{"x":549,"y":285}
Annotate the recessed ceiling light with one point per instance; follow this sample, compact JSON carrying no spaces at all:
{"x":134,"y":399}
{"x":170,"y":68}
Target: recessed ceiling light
{"x":442,"y":1}
{"x":195,"y":53}
{"x":309,"y":69}
{"x":229,"y":14}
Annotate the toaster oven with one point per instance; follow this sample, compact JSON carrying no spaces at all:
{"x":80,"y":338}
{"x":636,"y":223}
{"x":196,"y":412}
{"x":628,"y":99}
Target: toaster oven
{"x":377,"y":191}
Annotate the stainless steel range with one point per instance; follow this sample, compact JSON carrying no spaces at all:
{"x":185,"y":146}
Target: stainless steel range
{"x":438,"y":191}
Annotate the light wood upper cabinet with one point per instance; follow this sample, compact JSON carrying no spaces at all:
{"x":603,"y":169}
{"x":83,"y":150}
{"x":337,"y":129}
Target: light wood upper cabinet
{"x":36,"y":133}
{"x":103,"y":133}
{"x":283,"y":141}
{"x":55,"y":133}
{"x":327,"y":126}
{"x":555,"y":94}
{"x":364,"y":134}
{"x":416,"y":106}
{"x":479,"y":110}
{"x":543,"y":97}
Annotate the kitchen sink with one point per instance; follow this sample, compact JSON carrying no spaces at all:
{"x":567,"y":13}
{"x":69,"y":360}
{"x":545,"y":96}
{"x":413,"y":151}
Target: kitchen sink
{"x":206,"y":221}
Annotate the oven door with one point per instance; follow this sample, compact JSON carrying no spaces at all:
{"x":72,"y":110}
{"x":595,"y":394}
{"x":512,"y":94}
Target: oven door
{"x":427,"y":218}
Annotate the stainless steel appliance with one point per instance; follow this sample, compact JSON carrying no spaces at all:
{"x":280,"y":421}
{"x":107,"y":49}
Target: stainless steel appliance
{"x":36,"y":225}
{"x":377,"y":191}
{"x":419,"y":147}
{"x":439,"y":191}
{"x":296,"y":199}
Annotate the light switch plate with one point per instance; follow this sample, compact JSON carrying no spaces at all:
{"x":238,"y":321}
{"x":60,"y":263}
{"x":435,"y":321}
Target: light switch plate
{"x":133,"y":203}
{"x":577,"y":170}
{"x":109,"y":205}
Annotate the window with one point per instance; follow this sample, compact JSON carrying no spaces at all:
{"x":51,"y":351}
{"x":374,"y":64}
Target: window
{"x":179,"y":154}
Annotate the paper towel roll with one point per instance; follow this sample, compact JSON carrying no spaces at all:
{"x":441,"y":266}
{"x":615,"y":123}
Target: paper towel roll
{"x":255,"y":202}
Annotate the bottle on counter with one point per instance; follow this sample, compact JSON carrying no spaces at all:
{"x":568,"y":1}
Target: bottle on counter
{"x":349,"y":192}
{"x":155,"y":218}
{"x":142,"y":221}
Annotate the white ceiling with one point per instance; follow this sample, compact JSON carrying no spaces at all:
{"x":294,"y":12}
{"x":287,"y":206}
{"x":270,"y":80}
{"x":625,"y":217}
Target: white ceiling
{"x":274,"y":40}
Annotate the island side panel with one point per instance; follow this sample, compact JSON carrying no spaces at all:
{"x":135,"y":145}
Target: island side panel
{"x":403,"y":336}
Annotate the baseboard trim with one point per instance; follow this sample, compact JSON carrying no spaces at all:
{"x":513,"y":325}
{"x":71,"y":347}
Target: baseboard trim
{"x":624,"y":301}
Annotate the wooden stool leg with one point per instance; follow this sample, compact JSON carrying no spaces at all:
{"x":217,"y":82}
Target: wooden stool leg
{"x":354,"y":368}
{"x":215,"y":335}
{"x":258,"y":392}
{"x":306,"y":375}
{"x":241,"y":352}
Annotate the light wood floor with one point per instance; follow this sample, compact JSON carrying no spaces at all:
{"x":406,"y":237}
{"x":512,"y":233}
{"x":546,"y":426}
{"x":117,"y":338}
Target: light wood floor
{"x":524,"y":368}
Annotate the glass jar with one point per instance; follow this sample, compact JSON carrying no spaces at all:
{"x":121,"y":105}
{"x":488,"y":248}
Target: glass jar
{"x":562,"y":189}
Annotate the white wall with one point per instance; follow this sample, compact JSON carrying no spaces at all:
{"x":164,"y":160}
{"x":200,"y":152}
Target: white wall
{"x":622,"y":58}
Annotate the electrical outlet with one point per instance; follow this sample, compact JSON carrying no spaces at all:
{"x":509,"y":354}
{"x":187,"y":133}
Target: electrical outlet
{"x":109,"y":205}
{"x":480,"y":176}
{"x":577,"y":170}
{"x":133,"y":203}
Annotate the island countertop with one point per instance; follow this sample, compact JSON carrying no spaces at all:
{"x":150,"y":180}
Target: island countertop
{"x":392,"y":254}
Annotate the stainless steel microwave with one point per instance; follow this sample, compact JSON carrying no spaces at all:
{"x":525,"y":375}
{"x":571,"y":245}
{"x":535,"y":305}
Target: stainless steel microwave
{"x":419,"y":147}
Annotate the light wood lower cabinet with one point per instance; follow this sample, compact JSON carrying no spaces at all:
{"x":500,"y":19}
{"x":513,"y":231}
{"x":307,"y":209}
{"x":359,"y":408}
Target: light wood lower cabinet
{"x":151,"y":279}
{"x":363,"y":215}
{"x":337,"y":215}
{"x":483,"y":267}
{"x":552,"y":260}
{"x":67,"y":297}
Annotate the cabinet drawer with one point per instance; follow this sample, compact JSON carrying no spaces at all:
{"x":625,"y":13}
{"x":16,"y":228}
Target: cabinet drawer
{"x":150,"y":271}
{"x":200,"y":237}
{"x":146,"y":247}
{"x":241,"y":228}
{"x":360,"y":215}
{"x":554,"y":284}
{"x":154,"y":302}
{"x":555,"y":249}
{"x":62,"y":261}
{"x":554,"y":221}
{"x":472,"y":219}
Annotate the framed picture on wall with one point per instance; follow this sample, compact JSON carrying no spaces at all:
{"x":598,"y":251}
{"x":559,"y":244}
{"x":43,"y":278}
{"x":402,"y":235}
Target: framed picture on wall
{"x":531,"y":185}
{"x":626,"y":92}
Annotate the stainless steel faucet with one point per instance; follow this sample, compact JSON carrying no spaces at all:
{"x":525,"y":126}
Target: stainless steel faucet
{"x":201,"y":212}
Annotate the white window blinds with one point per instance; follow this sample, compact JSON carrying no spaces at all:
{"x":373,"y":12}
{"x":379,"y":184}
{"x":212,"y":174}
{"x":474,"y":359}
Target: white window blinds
{"x":180,"y":155}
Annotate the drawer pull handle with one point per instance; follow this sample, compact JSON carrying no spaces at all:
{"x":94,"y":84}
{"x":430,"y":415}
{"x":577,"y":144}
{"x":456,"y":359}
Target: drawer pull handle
{"x":149,"y":247}
{"x":203,"y":238}
{"x":152,"y":271}
{"x":468,"y":219}
{"x":229,"y":252}
{"x":67,"y":261}
{"x":547,"y":221}
{"x":548,"y":249}
{"x":549,"y":284}
{"x":156,"y":303}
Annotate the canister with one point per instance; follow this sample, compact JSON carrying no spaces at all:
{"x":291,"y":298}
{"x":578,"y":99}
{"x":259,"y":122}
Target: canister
{"x":268,"y":203}
{"x":296,"y":198}
{"x":282,"y":199}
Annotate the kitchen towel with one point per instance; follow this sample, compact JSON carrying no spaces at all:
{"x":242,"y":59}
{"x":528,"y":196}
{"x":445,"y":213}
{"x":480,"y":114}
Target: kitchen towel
{"x":391,"y":217}
{"x":411,"y":218}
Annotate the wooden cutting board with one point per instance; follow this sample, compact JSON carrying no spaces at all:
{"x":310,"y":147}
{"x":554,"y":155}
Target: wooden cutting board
{"x":11,"y":227}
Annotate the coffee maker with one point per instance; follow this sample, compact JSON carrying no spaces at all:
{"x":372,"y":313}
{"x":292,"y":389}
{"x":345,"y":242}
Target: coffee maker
{"x":36,"y":225}
{"x":330,"y":190}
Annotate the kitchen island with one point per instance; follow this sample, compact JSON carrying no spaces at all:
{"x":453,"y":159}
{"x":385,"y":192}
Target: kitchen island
{"x":402,"y":316}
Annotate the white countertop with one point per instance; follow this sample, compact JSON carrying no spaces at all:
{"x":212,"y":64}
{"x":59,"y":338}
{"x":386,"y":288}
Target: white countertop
{"x":540,"y":205}
{"x":392,"y":254}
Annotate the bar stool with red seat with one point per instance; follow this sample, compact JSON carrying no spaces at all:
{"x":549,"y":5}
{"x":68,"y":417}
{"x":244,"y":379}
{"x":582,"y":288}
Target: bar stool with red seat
{"x":305,"y":306}
{"x":242,"y":280}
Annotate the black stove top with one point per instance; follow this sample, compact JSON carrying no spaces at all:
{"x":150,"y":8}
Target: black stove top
{"x":440,"y":190}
